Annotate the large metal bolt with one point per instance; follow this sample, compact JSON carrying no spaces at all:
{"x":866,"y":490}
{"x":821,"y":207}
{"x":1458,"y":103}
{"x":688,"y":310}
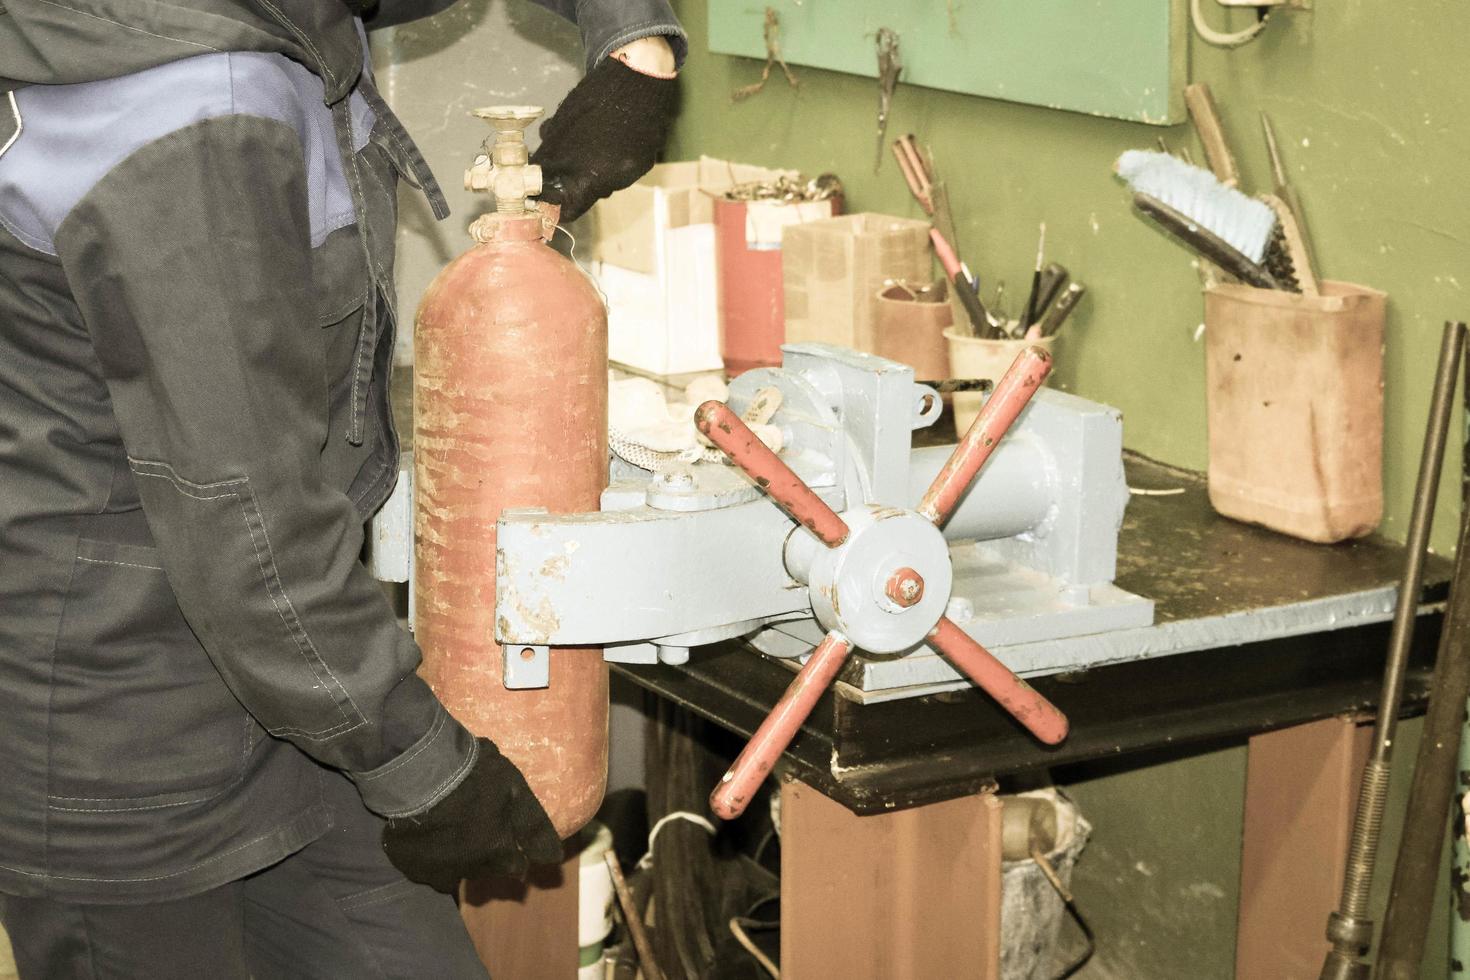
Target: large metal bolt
{"x":905,"y":587}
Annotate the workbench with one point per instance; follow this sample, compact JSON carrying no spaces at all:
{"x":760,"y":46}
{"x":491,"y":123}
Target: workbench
{"x":1254,"y":633}
{"x":1256,"y":636}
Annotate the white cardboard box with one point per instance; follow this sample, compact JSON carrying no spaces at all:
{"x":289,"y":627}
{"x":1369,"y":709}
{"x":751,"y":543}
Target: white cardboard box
{"x":653,"y":253}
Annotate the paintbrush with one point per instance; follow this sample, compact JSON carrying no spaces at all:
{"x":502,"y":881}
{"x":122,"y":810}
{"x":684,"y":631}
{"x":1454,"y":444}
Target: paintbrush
{"x":1053,"y":278}
{"x":1212,"y":220}
{"x":974,"y":309}
{"x":1284,"y":190}
{"x":1059,"y":312}
{"x":1029,"y":317}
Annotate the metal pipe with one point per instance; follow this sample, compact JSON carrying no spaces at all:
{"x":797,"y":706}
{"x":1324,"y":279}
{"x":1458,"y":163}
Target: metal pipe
{"x":725,"y":429}
{"x":1011,"y":395}
{"x":1460,"y":832}
{"x":732,"y":795}
{"x":1460,"y":862}
{"x":1349,"y":929}
{"x":1015,"y":493}
{"x":1417,"y":871}
{"x":647,"y":965}
{"x":1038,"y":715}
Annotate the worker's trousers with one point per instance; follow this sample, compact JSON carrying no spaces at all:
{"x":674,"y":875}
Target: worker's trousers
{"x":335,"y":910}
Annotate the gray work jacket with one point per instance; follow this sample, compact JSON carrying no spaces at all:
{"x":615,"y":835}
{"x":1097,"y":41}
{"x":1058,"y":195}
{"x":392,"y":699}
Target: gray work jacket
{"x":196,"y":327}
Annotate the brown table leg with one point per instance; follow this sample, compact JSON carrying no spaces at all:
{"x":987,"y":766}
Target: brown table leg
{"x":526,"y":930}
{"x":1301,"y":787}
{"x":909,"y":895}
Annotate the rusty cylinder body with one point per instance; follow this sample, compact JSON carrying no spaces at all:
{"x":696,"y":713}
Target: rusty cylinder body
{"x":510,"y":411}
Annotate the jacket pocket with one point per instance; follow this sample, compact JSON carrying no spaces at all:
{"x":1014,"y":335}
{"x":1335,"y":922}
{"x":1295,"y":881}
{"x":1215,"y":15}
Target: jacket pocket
{"x":140,"y":718}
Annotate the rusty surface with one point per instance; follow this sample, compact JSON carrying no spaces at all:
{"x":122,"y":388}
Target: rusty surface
{"x":905,"y":587}
{"x":725,"y":429}
{"x":1015,"y":389}
{"x":1039,"y":716}
{"x":733,"y":793}
{"x":510,"y":410}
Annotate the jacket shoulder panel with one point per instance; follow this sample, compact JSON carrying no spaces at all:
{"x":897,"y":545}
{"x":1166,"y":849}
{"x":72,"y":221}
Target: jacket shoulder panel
{"x":71,"y":136}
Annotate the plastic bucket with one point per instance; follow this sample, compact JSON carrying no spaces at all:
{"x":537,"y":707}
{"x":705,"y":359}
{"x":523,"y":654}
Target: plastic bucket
{"x":1294,"y":386}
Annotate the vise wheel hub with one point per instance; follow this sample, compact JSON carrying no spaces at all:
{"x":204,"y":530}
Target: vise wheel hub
{"x":885,"y":586}
{"x":904,"y":587}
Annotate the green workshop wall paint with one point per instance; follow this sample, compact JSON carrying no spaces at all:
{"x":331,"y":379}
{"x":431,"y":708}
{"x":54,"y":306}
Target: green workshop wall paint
{"x":1370,"y":104}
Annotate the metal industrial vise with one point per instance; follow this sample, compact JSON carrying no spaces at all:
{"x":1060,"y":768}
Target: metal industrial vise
{"x":698,"y":554}
{"x":1021,"y":560}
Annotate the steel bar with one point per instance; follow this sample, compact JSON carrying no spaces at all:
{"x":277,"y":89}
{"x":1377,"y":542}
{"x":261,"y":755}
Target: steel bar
{"x":725,"y":429}
{"x":1349,"y":929}
{"x":1038,"y":715}
{"x":1017,"y":385}
{"x":646,"y":963}
{"x":1417,"y":872}
{"x":1460,"y":861}
{"x":1460,"y":834}
{"x":739,"y":784}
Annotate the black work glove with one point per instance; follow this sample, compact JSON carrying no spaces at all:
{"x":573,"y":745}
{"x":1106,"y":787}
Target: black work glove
{"x":604,"y":135}
{"x":491,"y":824}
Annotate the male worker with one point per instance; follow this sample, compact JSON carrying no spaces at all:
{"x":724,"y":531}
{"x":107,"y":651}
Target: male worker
{"x":217,"y":758}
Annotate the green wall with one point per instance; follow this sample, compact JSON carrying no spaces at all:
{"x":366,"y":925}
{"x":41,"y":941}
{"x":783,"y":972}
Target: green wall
{"x":1368,"y":99}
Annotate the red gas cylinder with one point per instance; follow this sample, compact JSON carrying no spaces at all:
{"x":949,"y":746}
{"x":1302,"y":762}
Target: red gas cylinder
{"x":510,"y":411}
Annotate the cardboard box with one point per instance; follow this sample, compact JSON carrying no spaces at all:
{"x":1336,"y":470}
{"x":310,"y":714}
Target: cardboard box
{"x":833,"y":269}
{"x":652,"y":247}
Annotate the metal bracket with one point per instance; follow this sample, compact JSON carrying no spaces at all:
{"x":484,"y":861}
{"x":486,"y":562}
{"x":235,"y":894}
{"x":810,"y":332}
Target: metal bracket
{"x":526,"y":666}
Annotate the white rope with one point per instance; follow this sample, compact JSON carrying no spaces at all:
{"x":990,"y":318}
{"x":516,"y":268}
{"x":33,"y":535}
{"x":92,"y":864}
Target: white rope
{"x":693,"y":818}
{"x":737,"y":929}
{"x":19,"y":125}
{"x":1219,"y":38}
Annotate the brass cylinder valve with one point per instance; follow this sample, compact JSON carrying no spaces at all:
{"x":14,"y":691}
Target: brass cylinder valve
{"x":503,"y":168}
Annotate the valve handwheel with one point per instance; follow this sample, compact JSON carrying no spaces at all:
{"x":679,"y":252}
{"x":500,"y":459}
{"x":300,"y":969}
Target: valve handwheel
{"x":883,"y":579}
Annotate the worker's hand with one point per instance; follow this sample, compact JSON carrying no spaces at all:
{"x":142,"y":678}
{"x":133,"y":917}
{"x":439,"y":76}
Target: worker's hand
{"x":491,"y":824}
{"x":609,"y":129}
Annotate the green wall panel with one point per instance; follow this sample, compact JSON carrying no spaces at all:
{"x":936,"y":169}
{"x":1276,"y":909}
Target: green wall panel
{"x":1109,"y":59}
